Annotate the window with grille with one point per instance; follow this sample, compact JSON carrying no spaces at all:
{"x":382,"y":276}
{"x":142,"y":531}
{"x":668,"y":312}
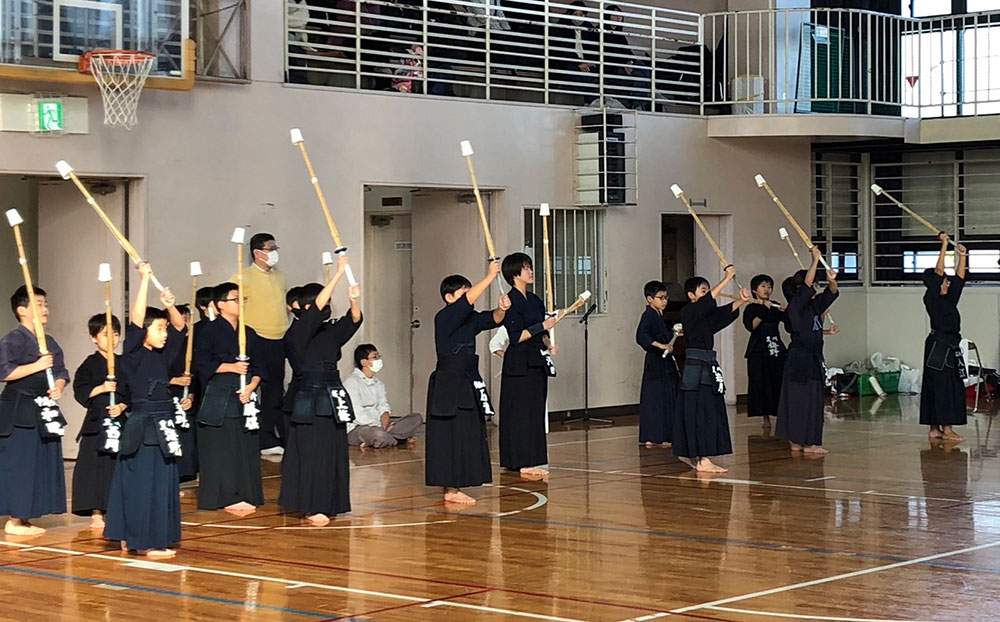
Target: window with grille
{"x":836,"y":213}
{"x":576,"y":241}
{"x":955,"y":190}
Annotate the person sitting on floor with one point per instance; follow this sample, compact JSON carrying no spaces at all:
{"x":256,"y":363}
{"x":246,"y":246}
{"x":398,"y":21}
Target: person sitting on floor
{"x":374,"y":426}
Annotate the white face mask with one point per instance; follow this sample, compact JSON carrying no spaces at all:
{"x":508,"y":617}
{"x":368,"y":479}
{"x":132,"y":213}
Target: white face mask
{"x":376,"y":366}
{"x":272,"y":259}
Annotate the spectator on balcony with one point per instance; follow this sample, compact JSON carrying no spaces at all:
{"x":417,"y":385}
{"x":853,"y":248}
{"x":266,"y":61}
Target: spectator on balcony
{"x":628,"y":74}
{"x":332,"y":38}
{"x":527,"y":33}
{"x":573,"y":52}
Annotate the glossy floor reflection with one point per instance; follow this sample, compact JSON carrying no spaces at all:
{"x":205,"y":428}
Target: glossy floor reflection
{"x":886,"y":527}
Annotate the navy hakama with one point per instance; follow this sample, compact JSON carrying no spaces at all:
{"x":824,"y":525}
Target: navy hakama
{"x":658,"y":392}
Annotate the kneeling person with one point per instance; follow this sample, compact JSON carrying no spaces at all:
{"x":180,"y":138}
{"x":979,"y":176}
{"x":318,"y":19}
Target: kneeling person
{"x":373,"y":425}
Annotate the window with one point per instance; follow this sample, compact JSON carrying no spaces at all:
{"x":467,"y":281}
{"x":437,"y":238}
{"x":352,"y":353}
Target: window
{"x":927,"y":8}
{"x":836,"y":210}
{"x":954,"y":190}
{"x":974,"y":6}
{"x":576,"y":239}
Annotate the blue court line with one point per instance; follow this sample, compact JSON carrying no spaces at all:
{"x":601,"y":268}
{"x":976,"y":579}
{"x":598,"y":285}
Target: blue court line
{"x":706,"y":539}
{"x":161,"y":592}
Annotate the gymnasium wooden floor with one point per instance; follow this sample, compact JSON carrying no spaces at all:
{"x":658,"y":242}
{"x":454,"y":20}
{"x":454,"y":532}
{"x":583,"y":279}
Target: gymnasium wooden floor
{"x":887,"y":527}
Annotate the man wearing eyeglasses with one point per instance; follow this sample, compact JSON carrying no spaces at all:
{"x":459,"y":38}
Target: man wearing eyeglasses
{"x":264,"y":310}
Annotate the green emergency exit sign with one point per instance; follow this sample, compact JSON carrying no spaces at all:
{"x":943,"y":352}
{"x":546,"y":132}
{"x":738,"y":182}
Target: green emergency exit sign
{"x":50,"y":116}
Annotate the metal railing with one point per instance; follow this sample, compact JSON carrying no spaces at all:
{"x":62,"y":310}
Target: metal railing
{"x":850,"y":61}
{"x":613,"y":53}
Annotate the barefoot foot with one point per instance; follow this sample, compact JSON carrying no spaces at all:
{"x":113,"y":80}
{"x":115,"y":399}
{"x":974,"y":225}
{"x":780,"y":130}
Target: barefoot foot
{"x":707,"y":466}
{"x":934,"y":433}
{"x":17,"y":527}
{"x":649,"y":444}
{"x":666,"y":445}
{"x":454,"y":495}
{"x":815,"y":450}
{"x":97,"y":521}
{"x":795,"y":447}
{"x":159,"y":553}
{"x":242,"y":508}
{"x":318,"y":520}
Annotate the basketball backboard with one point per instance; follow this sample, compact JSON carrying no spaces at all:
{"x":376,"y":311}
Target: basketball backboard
{"x":39,"y":36}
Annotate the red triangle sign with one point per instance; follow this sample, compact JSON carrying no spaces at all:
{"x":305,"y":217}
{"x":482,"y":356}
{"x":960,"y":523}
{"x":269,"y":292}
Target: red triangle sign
{"x":912,"y":80}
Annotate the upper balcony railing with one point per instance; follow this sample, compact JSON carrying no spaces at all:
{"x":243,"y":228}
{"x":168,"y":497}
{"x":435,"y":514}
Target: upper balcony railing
{"x":788,"y":61}
{"x":612,"y":53}
{"x":855,"y":62}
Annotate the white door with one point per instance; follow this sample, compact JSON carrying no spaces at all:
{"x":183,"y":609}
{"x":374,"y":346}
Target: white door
{"x":388,"y":257}
{"x":707,"y":264}
{"x":447,"y":239}
{"x":72,"y":242}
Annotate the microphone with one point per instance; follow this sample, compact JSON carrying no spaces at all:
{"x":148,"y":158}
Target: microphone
{"x":586,"y":315}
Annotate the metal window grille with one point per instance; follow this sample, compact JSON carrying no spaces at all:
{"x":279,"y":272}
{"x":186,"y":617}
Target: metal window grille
{"x":955,"y":190}
{"x":837,"y":210}
{"x":576,"y":240}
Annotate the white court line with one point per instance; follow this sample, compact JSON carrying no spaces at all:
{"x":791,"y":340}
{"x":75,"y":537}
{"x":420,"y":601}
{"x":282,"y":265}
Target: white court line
{"x":820,"y":479}
{"x":839,"y":577}
{"x":389,"y":526}
{"x":290,"y":584}
{"x":536,"y":616}
{"x":802,"y":616}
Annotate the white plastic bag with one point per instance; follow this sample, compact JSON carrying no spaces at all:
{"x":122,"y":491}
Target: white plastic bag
{"x":909,"y":379}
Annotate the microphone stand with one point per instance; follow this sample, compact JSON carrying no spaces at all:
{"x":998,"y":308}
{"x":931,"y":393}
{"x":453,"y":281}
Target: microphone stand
{"x":585,"y":416}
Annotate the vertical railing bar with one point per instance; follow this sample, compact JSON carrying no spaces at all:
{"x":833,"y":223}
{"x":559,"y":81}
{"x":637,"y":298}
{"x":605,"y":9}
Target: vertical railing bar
{"x":357,"y":45}
{"x":425,"y":53}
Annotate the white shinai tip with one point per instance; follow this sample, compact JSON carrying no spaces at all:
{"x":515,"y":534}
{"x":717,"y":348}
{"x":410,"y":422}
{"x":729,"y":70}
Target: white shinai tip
{"x":64,"y":168}
{"x":585,"y":295}
{"x":466,"y":148}
{"x":877,"y":189}
{"x":296,"y":134}
{"x":543,"y":209}
{"x":239,"y":234}
{"x":14,"y":218}
{"x":676,"y":190}
{"x":760,"y":180}
{"x":327,"y":258}
{"x":783,"y":233}
{"x":195,"y":268}
{"x":678,"y":327}
{"x":104,"y":272}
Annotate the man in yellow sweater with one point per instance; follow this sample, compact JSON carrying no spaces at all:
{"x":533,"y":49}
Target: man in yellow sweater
{"x":264,"y":295}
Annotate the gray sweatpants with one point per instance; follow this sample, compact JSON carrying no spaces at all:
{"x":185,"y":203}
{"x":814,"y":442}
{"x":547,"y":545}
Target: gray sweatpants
{"x":376,"y":437}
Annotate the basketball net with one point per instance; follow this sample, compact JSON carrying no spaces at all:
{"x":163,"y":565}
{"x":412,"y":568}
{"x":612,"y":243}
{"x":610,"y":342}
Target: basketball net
{"x":120,"y":74}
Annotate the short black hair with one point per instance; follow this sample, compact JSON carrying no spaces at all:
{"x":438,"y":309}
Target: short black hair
{"x":97,"y":322}
{"x":759,"y":280}
{"x":513,"y":264}
{"x":362,"y":352}
{"x":203,"y":297}
{"x":651,"y":289}
{"x":292,"y":295}
{"x":691,"y":285}
{"x":613,"y":7}
{"x":453,"y":283}
{"x":221,"y":291}
{"x":257,"y":242}
{"x":791,"y":285}
{"x":308,"y":293}
{"x":153,"y":314}
{"x":183,"y":309}
{"x":931,"y":279}
{"x":20,"y":298}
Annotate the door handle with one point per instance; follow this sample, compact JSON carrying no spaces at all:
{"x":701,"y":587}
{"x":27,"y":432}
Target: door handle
{"x":414,"y":324}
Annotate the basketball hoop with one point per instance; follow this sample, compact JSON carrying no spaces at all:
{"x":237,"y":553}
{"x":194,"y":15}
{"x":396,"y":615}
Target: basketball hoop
{"x":120,"y":74}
